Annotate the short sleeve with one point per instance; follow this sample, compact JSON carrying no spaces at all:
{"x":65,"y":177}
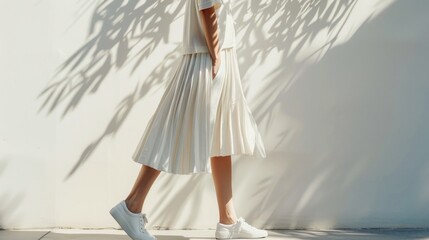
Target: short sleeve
{"x":203,"y":4}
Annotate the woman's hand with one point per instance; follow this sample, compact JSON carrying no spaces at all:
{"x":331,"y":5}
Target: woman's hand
{"x":215,"y":66}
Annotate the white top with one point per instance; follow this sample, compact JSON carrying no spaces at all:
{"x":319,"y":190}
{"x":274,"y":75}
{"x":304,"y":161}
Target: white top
{"x":193,"y":31}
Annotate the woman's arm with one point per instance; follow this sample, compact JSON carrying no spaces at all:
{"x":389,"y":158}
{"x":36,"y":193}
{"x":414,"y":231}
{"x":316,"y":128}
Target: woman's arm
{"x":210,"y":25}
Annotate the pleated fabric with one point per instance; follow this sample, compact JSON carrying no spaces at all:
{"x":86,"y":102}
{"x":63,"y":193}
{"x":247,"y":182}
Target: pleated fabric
{"x":199,"y":117}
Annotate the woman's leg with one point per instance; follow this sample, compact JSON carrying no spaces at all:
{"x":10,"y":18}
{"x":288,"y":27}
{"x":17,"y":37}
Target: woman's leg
{"x":221,"y":172}
{"x":142,"y":185}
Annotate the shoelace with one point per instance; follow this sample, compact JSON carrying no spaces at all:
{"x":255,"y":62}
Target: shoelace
{"x":143,"y":222}
{"x":237,"y":227}
{"x":243,"y":222}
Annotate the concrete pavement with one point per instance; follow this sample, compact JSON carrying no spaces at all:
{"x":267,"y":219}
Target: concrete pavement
{"x":113,"y":234}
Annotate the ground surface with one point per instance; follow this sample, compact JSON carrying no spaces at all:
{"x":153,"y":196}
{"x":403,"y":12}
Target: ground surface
{"x":80,"y":234}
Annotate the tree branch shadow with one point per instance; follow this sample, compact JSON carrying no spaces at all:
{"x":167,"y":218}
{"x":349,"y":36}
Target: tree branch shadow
{"x":303,"y":185}
{"x":117,"y":27}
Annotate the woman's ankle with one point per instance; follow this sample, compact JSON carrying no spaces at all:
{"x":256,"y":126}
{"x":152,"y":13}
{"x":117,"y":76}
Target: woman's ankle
{"x":133,"y":206}
{"x":228,"y":220}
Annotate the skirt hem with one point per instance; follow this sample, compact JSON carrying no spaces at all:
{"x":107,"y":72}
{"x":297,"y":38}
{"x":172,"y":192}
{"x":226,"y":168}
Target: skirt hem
{"x":196,"y":171}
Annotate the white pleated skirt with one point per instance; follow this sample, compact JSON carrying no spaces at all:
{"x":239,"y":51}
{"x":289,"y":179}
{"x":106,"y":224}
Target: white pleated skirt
{"x":199,"y":117}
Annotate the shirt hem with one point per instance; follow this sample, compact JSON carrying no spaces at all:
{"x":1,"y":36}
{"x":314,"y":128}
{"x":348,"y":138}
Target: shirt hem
{"x":202,"y":49}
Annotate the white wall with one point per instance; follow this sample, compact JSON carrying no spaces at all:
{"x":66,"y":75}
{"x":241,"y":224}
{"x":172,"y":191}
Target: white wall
{"x":339,"y":89}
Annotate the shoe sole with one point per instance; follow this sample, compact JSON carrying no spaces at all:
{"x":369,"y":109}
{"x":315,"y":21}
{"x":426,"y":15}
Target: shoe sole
{"x":241,"y":237}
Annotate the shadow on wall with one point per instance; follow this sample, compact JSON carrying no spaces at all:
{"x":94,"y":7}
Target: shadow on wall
{"x":284,"y":27}
{"x":359,"y":157}
{"x":121,"y":23}
{"x":116,"y":28}
{"x":116,"y":25}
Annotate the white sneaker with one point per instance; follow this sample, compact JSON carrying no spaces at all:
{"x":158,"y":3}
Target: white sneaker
{"x":134,"y":224}
{"x":240,"y":229}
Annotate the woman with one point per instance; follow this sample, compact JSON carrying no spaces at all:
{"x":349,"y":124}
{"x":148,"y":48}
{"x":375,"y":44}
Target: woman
{"x":202,"y":119}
